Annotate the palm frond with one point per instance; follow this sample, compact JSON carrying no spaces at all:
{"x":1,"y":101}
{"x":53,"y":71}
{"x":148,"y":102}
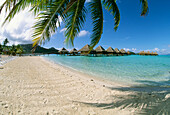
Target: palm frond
{"x":41,"y":5}
{"x":2,"y":6}
{"x":16,"y":6}
{"x":97,"y":17}
{"x":112,"y":7}
{"x":74,"y":20}
{"x":70,"y":4}
{"x":145,"y":8}
{"x":47,"y":20}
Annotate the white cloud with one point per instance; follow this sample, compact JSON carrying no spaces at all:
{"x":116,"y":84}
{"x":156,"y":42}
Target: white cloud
{"x":156,"y":49}
{"x":132,"y":49}
{"x":169,"y":45}
{"x":59,"y":21}
{"x":63,"y":30}
{"x":83,"y":33}
{"x":19,"y":29}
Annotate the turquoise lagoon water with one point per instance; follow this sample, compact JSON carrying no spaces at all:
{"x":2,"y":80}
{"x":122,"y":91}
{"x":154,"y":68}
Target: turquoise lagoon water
{"x":128,"y":69}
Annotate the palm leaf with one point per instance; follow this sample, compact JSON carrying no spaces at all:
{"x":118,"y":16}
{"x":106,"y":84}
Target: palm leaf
{"x":70,"y":4}
{"x":75,"y":19}
{"x":2,"y":6}
{"x":97,"y":17}
{"x":145,"y":8}
{"x":16,"y":6}
{"x":47,"y":20}
{"x":112,"y":7}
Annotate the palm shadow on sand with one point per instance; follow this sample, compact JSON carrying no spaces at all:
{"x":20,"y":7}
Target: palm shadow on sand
{"x":150,"y":98}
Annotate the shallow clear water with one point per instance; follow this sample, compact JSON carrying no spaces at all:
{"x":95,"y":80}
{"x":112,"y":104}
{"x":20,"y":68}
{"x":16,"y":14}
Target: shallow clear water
{"x":130,"y":69}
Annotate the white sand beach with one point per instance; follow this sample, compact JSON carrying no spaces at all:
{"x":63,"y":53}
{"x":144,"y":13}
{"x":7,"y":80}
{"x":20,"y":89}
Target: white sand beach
{"x":32,"y":85}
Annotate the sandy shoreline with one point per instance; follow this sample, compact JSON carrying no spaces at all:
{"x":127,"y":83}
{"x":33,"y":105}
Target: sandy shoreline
{"x":32,"y":85}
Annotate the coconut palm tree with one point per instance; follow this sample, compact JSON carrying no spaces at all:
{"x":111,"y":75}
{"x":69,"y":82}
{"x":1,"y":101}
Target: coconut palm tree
{"x":13,"y":50}
{"x":19,"y":49}
{"x":72,"y":13}
{"x":6,"y":42}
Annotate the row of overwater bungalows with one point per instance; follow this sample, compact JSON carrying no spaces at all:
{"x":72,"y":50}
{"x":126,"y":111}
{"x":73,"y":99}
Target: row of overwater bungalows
{"x":99,"y":51}
{"x":148,"y":53}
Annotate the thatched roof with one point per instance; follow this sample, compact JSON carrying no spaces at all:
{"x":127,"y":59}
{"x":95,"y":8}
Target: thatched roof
{"x":142,"y":52}
{"x":100,"y":49}
{"x":116,"y":50}
{"x":148,"y":52}
{"x":122,"y":51}
{"x":86,"y":48}
{"x":63,"y":50}
{"x":110,"y":50}
{"x":152,"y":52}
{"x":155,"y":53}
{"x":74,"y":50}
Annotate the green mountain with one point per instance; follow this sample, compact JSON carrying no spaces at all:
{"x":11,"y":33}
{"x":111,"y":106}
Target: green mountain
{"x":28,"y":49}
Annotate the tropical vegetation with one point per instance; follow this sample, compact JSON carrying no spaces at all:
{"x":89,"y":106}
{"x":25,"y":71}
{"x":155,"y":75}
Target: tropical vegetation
{"x":10,"y":50}
{"x":72,"y":12}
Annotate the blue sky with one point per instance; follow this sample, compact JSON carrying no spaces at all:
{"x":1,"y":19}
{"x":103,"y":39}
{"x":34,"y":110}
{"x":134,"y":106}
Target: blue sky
{"x":151,"y":32}
{"x":135,"y":33}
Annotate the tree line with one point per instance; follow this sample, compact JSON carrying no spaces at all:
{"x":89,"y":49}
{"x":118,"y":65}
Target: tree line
{"x":10,"y":50}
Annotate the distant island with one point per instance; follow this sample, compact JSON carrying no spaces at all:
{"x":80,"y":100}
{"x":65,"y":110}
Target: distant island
{"x":28,"y":49}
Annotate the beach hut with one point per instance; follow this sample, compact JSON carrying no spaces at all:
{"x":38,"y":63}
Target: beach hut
{"x":110,"y":51}
{"x":117,"y":51}
{"x":152,"y":53}
{"x":74,"y":52}
{"x":86,"y":50}
{"x":63,"y":51}
{"x":155,"y":53}
{"x":142,"y":53}
{"x":123,"y":52}
{"x":100,"y":50}
{"x":148,"y":53}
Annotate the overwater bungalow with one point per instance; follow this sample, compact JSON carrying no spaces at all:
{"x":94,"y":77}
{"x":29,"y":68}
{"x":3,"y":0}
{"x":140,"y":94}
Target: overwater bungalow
{"x":117,"y":51}
{"x":110,"y":51}
{"x":148,"y":53}
{"x":123,"y":52}
{"x":100,"y":51}
{"x":85,"y":50}
{"x":63,"y":51}
{"x":74,"y":52}
{"x":142,"y":53}
{"x":154,"y":53}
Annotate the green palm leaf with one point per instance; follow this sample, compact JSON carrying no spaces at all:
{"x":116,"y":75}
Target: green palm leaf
{"x":75,"y":19}
{"x":112,"y":7}
{"x":145,"y":8}
{"x":47,"y":20}
{"x":18,"y":5}
{"x":73,"y":13}
{"x":2,"y":6}
{"x":97,"y":17}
